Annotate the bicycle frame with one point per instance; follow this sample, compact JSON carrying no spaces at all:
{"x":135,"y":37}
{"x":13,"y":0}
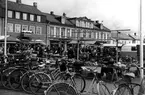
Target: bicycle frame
{"x":95,"y":79}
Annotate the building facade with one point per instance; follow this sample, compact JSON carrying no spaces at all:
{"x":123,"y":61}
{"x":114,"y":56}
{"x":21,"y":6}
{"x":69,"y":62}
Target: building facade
{"x":54,"y":30}
{"x":22,"y":18}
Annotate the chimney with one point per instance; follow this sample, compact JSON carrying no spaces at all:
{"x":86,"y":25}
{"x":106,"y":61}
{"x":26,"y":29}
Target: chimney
{"x":134,"y":34}
{"x":51,"y":12}
{"x":18,"y":1}
{"x":35,"y":4}
{"x":64,"y":14}
{"x":96,"y":22}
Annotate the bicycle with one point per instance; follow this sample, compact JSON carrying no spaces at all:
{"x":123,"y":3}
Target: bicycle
{"x":61,"y":88}
{"x":25,"y":78}
{"x":72,"y":76}
{"x":40,"y":81}
{"x":97,"y":86}
{"x":55,"y":75}
{"x":129,"y":88}
{"x":22,"y":66}
{"x":5,"y":71}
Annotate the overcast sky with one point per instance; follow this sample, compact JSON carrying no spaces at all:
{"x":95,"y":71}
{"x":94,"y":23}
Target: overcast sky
{"x":115,"y":14}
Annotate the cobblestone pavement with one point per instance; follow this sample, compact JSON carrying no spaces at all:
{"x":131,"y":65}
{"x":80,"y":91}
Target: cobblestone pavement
{"x":11,"y":92}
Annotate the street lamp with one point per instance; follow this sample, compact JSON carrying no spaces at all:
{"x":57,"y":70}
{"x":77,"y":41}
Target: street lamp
{"x":5,"y":40}
{"x":141,"y":42}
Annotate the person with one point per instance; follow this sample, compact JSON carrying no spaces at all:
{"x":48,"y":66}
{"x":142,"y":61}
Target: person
{"x":70,"y":53}
{"x":108,"y":69}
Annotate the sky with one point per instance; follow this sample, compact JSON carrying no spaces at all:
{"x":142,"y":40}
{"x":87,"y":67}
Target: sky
{"x":114,"y":14}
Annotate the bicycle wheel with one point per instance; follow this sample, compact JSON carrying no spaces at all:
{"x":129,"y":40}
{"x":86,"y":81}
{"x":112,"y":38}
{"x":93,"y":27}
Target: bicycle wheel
{"x":134,"y":88}
{"x":78,"y":81}
{"x":74,"y":79}
{"x":4,"y":77}
{"x":25,"y":81}
{"x":61,"y":88}
{"x":15,"y":78}
{"x":100,"y":88}
{"x":123,"y":90}
{"x":39,"y":82}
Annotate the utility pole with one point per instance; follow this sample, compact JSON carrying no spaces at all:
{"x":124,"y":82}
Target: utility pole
{"x":117,"y":39}
{"x":5,"y":40}
{"x":141,"y":42}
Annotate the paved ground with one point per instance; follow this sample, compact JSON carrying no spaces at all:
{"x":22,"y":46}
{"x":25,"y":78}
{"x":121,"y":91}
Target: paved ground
{"x":10,"y":92}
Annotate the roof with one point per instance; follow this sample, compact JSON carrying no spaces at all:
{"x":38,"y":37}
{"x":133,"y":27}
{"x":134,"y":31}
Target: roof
{"x":51,"y":18}
{"x":82,"y":18}
{"x":121,"y":36}
{"x":106,"y":29}
{"x":57,"y":19}
{"x":21,"y":7}
{"x":135,"y":37}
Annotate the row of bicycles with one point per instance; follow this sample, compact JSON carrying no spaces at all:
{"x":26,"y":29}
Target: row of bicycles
{"x":60,"y":77}
{"x":21,"y":74}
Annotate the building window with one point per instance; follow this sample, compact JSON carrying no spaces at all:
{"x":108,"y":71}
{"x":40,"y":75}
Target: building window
{"x":62,"y":32}
{"x":63,"y":20}
{"x":92,"y":25}
{"x":31,"y":17}
{"x":88,"y":24}
{"x":57,"y":32}
{"x":83,"y":24}
{"x":17,"y":28}
{"x":38,"y":18}
{"x":105,"y":36}
{"x":10,"y":14}
{"x":73,"y":33}
{"x":9,"y":27}
{"x":48,"y":31}
{"x":38,"y":30}
{"x":100,"y":35}
{"x":52,"y":31}
{"x":96,"y":35}
{"x":32,"y":28}
{"x":24,"y":28}
{"x":24,"y":16}
{"x":84,"y":34}
{"x":80,"y":24}
{"x":90,"y":34}
{"x":77,"y":23}
{"x":68,"y":33}
{"x":17,"y":15}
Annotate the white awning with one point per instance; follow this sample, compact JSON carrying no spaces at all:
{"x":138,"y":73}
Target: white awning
{"x":89,"y":42}
{"x":73,"y":42}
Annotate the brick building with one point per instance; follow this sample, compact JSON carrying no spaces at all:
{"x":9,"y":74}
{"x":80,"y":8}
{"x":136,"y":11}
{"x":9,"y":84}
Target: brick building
{"x":23,"y":18}
{"x":55,"y":30}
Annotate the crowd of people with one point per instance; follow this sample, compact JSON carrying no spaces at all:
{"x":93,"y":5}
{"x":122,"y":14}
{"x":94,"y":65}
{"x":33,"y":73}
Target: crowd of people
{"x":86,"y":53}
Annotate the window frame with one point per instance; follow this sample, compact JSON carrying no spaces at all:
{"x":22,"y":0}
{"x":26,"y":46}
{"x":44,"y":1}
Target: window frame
{"x":10,"y":14}
{"x":33,"y":29}
{"x":38,"y":32}
{"x":17,"y":28}
{"x":25,"y":16}
{"x":38,"y":18}
{"x":57,"y":31}
{"x":17,"y":15}
{"x":26,"y":26}
{"x":51,"y":31}
{"x":32,"y":17}
{"x":10,"y":27}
